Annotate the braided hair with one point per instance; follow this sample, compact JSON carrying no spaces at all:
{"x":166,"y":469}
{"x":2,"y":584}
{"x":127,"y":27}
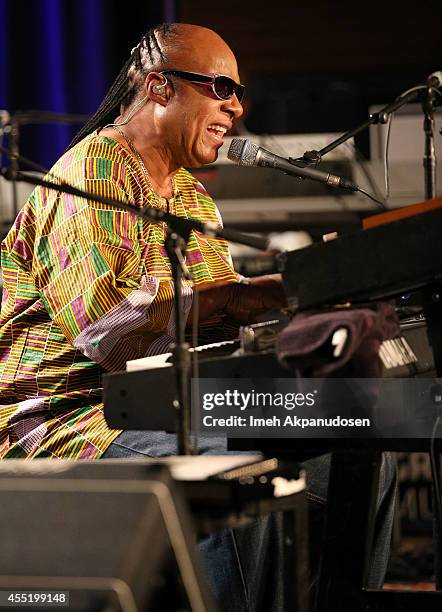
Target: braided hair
{"x":145,"y":57}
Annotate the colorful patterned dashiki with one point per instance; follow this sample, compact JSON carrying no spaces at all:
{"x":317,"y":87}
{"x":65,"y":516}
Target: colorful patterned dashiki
{"x":87,"y":287}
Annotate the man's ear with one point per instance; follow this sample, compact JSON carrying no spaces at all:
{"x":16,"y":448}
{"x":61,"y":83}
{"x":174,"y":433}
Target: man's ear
{"x":158,"y":88}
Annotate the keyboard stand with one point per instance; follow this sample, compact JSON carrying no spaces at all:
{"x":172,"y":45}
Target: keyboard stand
{"x":433,"y":312}
{"x":348,"y":538}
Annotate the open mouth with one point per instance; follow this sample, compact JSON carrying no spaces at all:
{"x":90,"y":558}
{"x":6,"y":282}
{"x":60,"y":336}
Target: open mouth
{"x":217,"y":132}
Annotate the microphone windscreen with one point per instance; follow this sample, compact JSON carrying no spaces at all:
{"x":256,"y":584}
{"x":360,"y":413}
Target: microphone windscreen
{"x":243,"y":152}
{"x":235,"y":150}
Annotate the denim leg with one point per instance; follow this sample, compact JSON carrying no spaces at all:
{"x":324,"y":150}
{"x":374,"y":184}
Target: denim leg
{"x":161,"y":444}
{"x":244,"y":566}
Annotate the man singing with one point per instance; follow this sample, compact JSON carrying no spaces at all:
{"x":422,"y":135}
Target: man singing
{"x":88,"y":287}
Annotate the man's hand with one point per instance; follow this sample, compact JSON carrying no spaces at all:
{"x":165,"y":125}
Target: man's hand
{"x":247,"y":301}
{"x":212,"y":299}
{"x":242,"y":302}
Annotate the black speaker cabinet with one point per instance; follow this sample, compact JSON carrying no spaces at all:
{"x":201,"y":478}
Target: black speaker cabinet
{"x":109,"y":534}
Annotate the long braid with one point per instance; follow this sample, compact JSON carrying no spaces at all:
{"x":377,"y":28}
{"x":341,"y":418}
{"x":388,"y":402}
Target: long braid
{"x":124,"y":89}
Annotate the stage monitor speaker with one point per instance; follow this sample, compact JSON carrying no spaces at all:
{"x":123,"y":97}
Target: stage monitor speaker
{"x":105,"y":532}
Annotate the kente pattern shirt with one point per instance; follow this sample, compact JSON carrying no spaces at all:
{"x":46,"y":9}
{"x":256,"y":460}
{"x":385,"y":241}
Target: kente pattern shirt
{"x":87,"y":287}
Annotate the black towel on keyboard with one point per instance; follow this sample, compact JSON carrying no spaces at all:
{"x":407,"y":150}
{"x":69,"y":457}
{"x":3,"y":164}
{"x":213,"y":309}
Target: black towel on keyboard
{"x":305,"y":345}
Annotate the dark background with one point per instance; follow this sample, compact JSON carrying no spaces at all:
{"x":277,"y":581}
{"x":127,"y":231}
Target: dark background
{"x":309,"y":67}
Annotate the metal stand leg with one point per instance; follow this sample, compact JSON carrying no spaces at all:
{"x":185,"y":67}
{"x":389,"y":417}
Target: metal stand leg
{"x":437,"y":528}
{"x":433,"y":315}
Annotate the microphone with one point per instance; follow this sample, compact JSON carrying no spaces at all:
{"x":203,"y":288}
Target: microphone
{"x":246,"y":153}
{"x":435,"y":79}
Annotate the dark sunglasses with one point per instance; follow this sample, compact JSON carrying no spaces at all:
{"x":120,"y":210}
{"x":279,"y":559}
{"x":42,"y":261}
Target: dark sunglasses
{"x":222,"y":86}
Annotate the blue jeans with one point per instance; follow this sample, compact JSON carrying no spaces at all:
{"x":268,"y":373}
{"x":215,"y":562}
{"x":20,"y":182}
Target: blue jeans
{"x":243,"y":565}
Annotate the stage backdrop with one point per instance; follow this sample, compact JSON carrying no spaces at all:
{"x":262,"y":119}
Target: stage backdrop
{"x":61,"y":56}
{"x":309,"y":67}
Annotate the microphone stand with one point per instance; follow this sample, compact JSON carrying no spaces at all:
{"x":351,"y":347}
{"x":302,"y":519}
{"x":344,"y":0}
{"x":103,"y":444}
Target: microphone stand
{"x":175,"y":248}
{"x":429,"y":161}
{"x":177,"y":236}
{"x":31,"y":117}
{"x":153,"y":214}
{"x":427,"y":95}
{"x":310,"y":158}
